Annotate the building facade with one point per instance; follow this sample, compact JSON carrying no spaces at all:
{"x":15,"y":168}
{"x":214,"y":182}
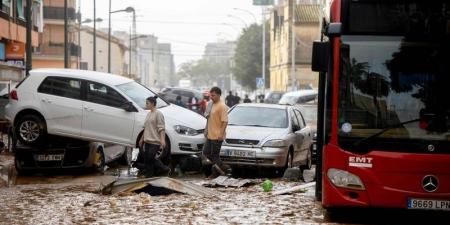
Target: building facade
{"x":50,"y":52}
{"x":304,"y":21}
{"x":166,"y":66}
{"x":118,"y":49}
{"x":13,"y":37}
{"x":222,"y":53}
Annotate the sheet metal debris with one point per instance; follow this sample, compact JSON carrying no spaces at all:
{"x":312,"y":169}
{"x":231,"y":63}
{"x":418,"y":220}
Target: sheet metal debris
{"x":224,"y":181}
{"x":294,"y":189}
{"x":157,"y":182}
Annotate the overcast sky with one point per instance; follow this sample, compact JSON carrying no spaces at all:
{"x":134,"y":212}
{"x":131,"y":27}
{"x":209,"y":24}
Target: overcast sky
{"x":187,"y":24}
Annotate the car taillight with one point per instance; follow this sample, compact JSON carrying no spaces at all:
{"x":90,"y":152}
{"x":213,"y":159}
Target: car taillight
{"x":13,"y":95}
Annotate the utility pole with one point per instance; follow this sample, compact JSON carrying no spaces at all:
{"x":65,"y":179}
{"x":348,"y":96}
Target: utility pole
{"x":94,"y":63}
{"x":264,"y":49}
{"x":79,"y":35}
{"x":28,"y":63}
{"x":293,"y":76}
{"x":66,"y":37}
{"x":109,"y":38}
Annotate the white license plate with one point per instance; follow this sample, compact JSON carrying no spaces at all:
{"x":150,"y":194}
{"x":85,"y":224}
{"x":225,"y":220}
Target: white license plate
{"x":58,"y":157}
{"x":239,"y":153}
{"x":414,"y":203}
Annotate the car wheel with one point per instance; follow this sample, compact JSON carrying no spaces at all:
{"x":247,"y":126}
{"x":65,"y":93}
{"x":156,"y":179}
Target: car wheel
{"x":30,"y":129}
{"x":289,"y":160}
{"x":99,"y":160}
{"x":308,"y":164}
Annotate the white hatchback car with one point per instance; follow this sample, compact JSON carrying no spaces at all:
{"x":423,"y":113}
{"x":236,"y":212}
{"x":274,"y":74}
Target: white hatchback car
{"x":95,"y":106}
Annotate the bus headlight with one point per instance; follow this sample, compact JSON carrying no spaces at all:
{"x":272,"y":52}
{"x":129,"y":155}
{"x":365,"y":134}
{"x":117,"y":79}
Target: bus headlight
{"x":345,"y":179}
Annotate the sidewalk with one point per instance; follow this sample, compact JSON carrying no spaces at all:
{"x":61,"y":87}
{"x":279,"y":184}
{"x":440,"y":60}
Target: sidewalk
{"x":6,"y":169}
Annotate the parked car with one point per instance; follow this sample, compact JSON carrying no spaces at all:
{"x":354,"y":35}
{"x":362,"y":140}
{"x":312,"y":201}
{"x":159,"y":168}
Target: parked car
{"x":309,"y":112}
{"x":298,"y":97}
{"x":170,"y":94}
{"x":95,"y":106}
{"x":273,"y":97}
{"x":277,"y":138}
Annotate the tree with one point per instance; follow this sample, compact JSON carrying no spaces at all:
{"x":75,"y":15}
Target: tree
{"x":202,"y":71}
{"x":247,"y":58}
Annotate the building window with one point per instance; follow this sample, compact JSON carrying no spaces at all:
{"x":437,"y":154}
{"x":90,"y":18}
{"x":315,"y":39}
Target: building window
{"x":5,"y":6}
{"x":20,"y":9}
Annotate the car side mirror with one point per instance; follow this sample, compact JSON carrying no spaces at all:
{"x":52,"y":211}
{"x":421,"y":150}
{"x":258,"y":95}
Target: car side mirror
{"x":129,"y":107}
{"x":295,"y":128}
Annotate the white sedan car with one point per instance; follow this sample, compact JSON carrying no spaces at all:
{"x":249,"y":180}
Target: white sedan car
{"x":267,"y":135}
{"x":95,"y":106}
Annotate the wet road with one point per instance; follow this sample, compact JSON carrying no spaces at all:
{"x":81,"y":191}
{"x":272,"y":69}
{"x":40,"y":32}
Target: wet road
{"x":75,"y":199}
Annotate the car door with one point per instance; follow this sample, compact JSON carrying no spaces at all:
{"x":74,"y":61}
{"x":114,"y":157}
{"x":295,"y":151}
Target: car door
{"x":103,"y":118}
{"x":298,"y":136}
{"x":60,"y":100}
{"x":305,"y":133}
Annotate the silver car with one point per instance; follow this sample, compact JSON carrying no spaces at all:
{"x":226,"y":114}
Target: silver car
{"x":267,"y":135}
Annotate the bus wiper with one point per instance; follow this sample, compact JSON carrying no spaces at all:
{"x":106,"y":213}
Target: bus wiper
{"x":358,"y":143}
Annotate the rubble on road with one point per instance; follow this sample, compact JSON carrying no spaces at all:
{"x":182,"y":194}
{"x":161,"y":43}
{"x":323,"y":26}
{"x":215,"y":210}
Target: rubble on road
{"x":299,"y":188}
{"x":224,"y":181}
{"x":157,"y":186}
{"x":7,"y":171}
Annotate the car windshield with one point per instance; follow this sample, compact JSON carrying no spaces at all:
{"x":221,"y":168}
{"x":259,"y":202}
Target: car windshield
{"x":266,"y":117}
{"x":139,"y":94}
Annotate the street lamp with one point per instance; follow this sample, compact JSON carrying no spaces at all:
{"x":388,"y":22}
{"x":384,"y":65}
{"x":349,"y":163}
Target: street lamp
{"x":128,"y":10}
{"x":238,"y":18}
{"x":244,"y":10}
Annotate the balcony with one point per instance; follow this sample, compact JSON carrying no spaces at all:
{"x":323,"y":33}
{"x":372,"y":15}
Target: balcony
{"x":57,"y":49}
{"x":57,"y":13}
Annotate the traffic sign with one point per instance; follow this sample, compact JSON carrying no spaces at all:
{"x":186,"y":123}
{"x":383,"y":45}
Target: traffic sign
{"x":262,"y":2}
{"x":260,"y":82}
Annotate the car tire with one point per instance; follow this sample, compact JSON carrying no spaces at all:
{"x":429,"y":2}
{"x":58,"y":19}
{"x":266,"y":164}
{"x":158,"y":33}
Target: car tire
{"x":308,"y":164}
{"x":99,"y":163}
{"x":31,"y":129}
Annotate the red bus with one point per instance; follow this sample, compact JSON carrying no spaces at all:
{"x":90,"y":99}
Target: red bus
{"x":384,"y":93}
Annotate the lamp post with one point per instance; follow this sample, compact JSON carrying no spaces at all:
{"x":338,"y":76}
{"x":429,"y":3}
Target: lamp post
{"x":238,"y":18}
{"x":244,"y":10}
{"x":128,"y":10}
{"x":94,"y":62}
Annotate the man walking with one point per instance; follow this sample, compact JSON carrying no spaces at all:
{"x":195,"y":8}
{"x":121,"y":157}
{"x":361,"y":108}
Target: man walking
{"x":229,"y":100}
{"x":217,"y":120}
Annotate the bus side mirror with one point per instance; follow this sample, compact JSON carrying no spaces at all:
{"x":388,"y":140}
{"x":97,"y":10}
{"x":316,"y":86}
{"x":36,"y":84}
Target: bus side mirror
{"x":320,"y":55}
{"x":333,"y":30}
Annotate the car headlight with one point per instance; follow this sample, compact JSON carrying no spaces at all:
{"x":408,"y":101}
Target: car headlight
{"x":185,"y":130}
{"x":345,"y":179}
{"x":275,"y":143}
{"x":315,"y":136}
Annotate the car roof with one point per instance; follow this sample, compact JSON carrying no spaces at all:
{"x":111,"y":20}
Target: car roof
{"x":301,"y":93}
{"x":264,"y":105}
{"x":104,"y":78}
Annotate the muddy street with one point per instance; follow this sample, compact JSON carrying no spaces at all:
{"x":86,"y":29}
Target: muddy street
{"x":77,"y":200}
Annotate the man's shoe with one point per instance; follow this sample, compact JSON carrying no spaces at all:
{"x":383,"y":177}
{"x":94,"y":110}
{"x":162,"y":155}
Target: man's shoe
{"x":218,"y":169}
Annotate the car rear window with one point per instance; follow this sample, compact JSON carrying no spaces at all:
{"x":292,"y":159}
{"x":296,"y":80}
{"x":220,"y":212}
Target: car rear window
{"x":61,"y":86}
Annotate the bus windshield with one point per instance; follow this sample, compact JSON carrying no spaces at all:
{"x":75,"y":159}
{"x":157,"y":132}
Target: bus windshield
{"x":394,"y":75}
{"x":396,"y":86}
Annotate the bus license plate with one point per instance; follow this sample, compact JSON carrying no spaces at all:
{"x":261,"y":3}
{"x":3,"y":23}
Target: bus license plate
{"x":414,"y":203}
{"x":58,"y":157}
